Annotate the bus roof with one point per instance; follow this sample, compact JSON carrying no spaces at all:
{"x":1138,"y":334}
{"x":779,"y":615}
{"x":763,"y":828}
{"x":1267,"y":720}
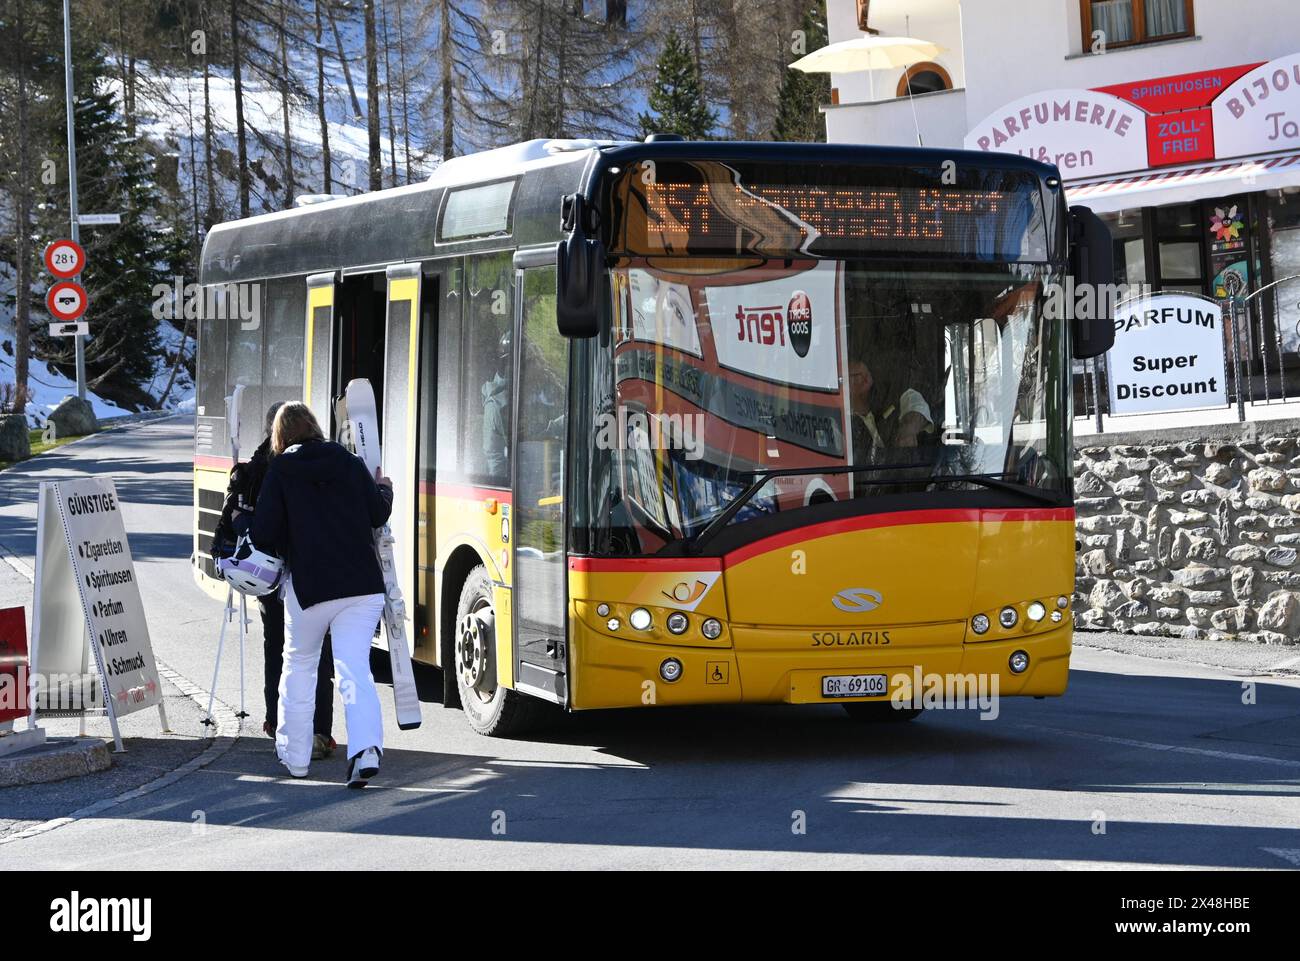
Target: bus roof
{"x":399,"y":224}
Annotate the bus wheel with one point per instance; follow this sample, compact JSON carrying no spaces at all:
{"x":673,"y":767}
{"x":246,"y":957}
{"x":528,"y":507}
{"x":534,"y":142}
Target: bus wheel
{"x":492,"y":710}
{"x":880,"y":712}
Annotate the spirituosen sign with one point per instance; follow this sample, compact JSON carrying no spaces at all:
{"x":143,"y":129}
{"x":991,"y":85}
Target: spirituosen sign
{"x":1168,"y":355}
{"x":87,"y":607}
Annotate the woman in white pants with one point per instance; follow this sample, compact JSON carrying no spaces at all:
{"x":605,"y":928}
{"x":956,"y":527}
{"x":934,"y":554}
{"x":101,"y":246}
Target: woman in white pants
{"x":317,"y":509}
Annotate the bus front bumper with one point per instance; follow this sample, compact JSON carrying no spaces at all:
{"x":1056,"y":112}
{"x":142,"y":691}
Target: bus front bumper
{"x":610,"y":671}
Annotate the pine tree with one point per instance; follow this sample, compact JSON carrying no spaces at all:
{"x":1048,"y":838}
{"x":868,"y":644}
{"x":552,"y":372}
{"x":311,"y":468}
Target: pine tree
{"x":677,"y":97}
{"x":798,"y":114}
{"x":124,"y":262}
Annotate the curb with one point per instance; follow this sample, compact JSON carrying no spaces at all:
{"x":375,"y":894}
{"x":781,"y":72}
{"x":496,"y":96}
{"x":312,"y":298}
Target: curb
{"x":56,"y":760}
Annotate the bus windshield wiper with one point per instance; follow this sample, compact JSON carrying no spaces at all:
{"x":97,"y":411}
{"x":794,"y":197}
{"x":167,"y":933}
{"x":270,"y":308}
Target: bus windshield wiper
{"x":761,"y":477}
{"x":998,"y":482}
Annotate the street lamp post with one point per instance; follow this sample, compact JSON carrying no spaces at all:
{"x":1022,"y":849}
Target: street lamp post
{"x":78,"y":340}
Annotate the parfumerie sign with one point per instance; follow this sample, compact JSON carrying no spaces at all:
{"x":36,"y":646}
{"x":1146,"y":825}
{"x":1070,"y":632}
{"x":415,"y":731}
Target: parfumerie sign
{"x":87,"y":607}
{"x":1168,"y":355}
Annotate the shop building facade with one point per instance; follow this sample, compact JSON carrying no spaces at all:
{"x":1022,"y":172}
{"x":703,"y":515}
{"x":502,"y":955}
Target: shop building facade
{"x":1178,"y":121}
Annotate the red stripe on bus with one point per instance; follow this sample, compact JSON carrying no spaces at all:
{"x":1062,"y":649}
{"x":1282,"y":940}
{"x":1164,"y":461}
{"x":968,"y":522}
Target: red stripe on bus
{"x":651,"y":565}
{"x":208,"y":460}
{"x":466,"y":492}
{"x":643,"y":565}
{"x":902,"y":518}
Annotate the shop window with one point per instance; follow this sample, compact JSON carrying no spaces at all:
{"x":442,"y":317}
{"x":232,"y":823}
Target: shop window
{"x":1284,"y":224}
{"x":1129,"y":236}
{"x":1122,"y":23}
{"x":924,"y":78}
{"x":1179,"y":248}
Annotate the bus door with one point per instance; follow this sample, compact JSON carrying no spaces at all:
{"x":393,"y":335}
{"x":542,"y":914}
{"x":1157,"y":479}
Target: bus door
{"x":397,"y":398}
{"x":540,"y":442}
{"x":317,"y":386}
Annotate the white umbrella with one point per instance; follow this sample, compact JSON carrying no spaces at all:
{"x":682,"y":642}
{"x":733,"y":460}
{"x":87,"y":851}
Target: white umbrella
{"x":868,"y":53}
{"x":871,"y":53}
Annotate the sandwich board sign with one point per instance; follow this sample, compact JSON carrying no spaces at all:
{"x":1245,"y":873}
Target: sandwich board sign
{"x":90,"y":639}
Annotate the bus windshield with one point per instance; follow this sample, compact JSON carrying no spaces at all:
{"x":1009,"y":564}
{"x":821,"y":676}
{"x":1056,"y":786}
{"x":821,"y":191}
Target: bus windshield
{"x":798,"y":383}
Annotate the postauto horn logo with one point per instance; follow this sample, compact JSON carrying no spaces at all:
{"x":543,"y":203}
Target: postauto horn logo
{"x":798,"y":319}
{"x":857,"y":600}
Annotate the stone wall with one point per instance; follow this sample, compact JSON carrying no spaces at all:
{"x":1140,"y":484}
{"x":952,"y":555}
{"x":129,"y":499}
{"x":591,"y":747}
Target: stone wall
{"x":1193,"y":533}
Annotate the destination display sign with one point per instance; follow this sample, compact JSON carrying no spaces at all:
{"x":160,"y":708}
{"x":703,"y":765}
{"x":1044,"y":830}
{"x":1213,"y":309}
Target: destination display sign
{"x":997,"y":217}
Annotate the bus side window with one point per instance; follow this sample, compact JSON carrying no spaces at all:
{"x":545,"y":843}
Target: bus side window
{"x":486,"y":368}
{"x":210,"y":400}
{"x":244,"y":366}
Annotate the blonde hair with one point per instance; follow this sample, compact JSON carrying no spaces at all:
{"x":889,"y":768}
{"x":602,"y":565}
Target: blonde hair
{"x":294,"y":423}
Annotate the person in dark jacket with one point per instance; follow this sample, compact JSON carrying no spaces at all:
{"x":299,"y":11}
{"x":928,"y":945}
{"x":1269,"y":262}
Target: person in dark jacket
{"x":241,"y":495}
{"x":317,"y":509}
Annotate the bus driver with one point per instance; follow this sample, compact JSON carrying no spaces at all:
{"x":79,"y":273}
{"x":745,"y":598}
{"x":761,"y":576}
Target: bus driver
{"x":881,"y":422}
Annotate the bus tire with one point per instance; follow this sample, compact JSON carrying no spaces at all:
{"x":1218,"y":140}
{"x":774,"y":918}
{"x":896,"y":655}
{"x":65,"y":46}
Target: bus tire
{"x":492,"y":710}
{"x":880,"y":712}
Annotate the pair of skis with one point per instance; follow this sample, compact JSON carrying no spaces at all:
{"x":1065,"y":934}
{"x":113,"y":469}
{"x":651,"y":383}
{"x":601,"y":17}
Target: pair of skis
{"x":362,"y":435}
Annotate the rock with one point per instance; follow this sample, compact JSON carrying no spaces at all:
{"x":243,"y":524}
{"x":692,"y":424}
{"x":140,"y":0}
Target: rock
{"x":1189,"y":517}
{"x":1254,"y":537}
{"x":1249,"y":522}
{"x":1089,"y":504}
{"x":1292,"y":503}
{"x":1281,"y":556}
{"x":1133,"y":610}
{"x":1245,"y":554}
{"x":1287,"y":540}
{"x":1270,"y":458}
{"x":1262,"y":502}
{"x":1104,"y":595}
{"x":1281,"y":613}
{"x":1281,"y":521}
{"x":1220,"y":475}
{"x":1099,"y":524}
{"x":1169,"y":613}
{"x":1164,"y":594}
{"x":1199,"y":576}
{"x":1111,"y":470}
{"x":1129,"y":487}
{"x":1267,"y":480}
{"x":1198,"y":616}
{"x":1233,"y":619}
{"x":1095,"y":563}
{"x":1207,"y":598}
{"x":73,"y":417}
{"x":1199,"y":498}
{"x":1089,"y":483}
{"x":1189,"y":547}
{"x":1141,"y":464}
{"x":1166,"y":476}
{"x":15,"y":444}
{"x":1243,"y":584}
{"x":1279,"y":444}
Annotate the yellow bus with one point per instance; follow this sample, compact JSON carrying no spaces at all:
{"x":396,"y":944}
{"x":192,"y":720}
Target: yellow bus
{"x":689,"y":423}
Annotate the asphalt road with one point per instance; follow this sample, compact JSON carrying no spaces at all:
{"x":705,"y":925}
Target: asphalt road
{"x":1145,"y":762}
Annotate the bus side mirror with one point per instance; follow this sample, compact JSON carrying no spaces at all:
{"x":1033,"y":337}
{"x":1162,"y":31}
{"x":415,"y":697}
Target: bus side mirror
{"x":579,"y":268}
{"x":1092,"y":263}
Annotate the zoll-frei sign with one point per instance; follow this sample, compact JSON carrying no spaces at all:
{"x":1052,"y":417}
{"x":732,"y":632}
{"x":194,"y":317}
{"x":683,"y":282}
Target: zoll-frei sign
{"x":1168,"y":355}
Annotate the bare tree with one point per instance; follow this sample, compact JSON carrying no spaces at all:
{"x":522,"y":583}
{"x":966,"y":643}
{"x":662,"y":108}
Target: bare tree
{"x":241,"y":138}
{"x":326,"y":176}
{"x":375,"y":161}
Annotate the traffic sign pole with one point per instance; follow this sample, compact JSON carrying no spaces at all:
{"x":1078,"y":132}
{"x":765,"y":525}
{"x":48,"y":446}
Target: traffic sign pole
{"x":79,"y":340}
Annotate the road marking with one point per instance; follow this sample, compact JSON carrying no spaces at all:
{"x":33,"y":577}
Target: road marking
{"x":1175,"y":748}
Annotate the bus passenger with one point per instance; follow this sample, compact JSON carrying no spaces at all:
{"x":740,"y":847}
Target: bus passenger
{"x":245,"y":485}
{"x":496,"y":412}
{"x":318,"y":508}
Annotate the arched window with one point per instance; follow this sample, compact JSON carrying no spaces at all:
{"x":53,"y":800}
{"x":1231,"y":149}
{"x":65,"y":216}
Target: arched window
{"x":924,"y":78}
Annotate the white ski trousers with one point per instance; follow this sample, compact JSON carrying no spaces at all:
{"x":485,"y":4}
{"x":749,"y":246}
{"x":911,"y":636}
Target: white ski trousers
{"x":351,"y":622}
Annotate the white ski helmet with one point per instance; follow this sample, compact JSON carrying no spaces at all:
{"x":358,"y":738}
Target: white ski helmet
{"x":251,"y":571}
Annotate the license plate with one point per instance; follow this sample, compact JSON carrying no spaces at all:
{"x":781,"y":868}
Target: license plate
{"x":854,"y":685}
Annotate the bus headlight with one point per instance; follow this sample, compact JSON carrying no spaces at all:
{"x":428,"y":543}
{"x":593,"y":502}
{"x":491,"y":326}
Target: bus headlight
{"x":1062,"y":602}
{"x":640,"y":619}
{"x":1037,"y":611}
{"x":613,"y":624}
{"x":678,"y":622}
{"x":1007,"y":617}
{"x":1056,"y":617}
{"x":1018,"y":662}
{"x":979,"y":623}
{"x":602,"y":610}
{"x":711,"y":628}
{"x":671,"y":670}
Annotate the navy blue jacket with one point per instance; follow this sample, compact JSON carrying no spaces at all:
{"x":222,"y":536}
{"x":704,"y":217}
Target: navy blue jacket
{"x":317,"y":509}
